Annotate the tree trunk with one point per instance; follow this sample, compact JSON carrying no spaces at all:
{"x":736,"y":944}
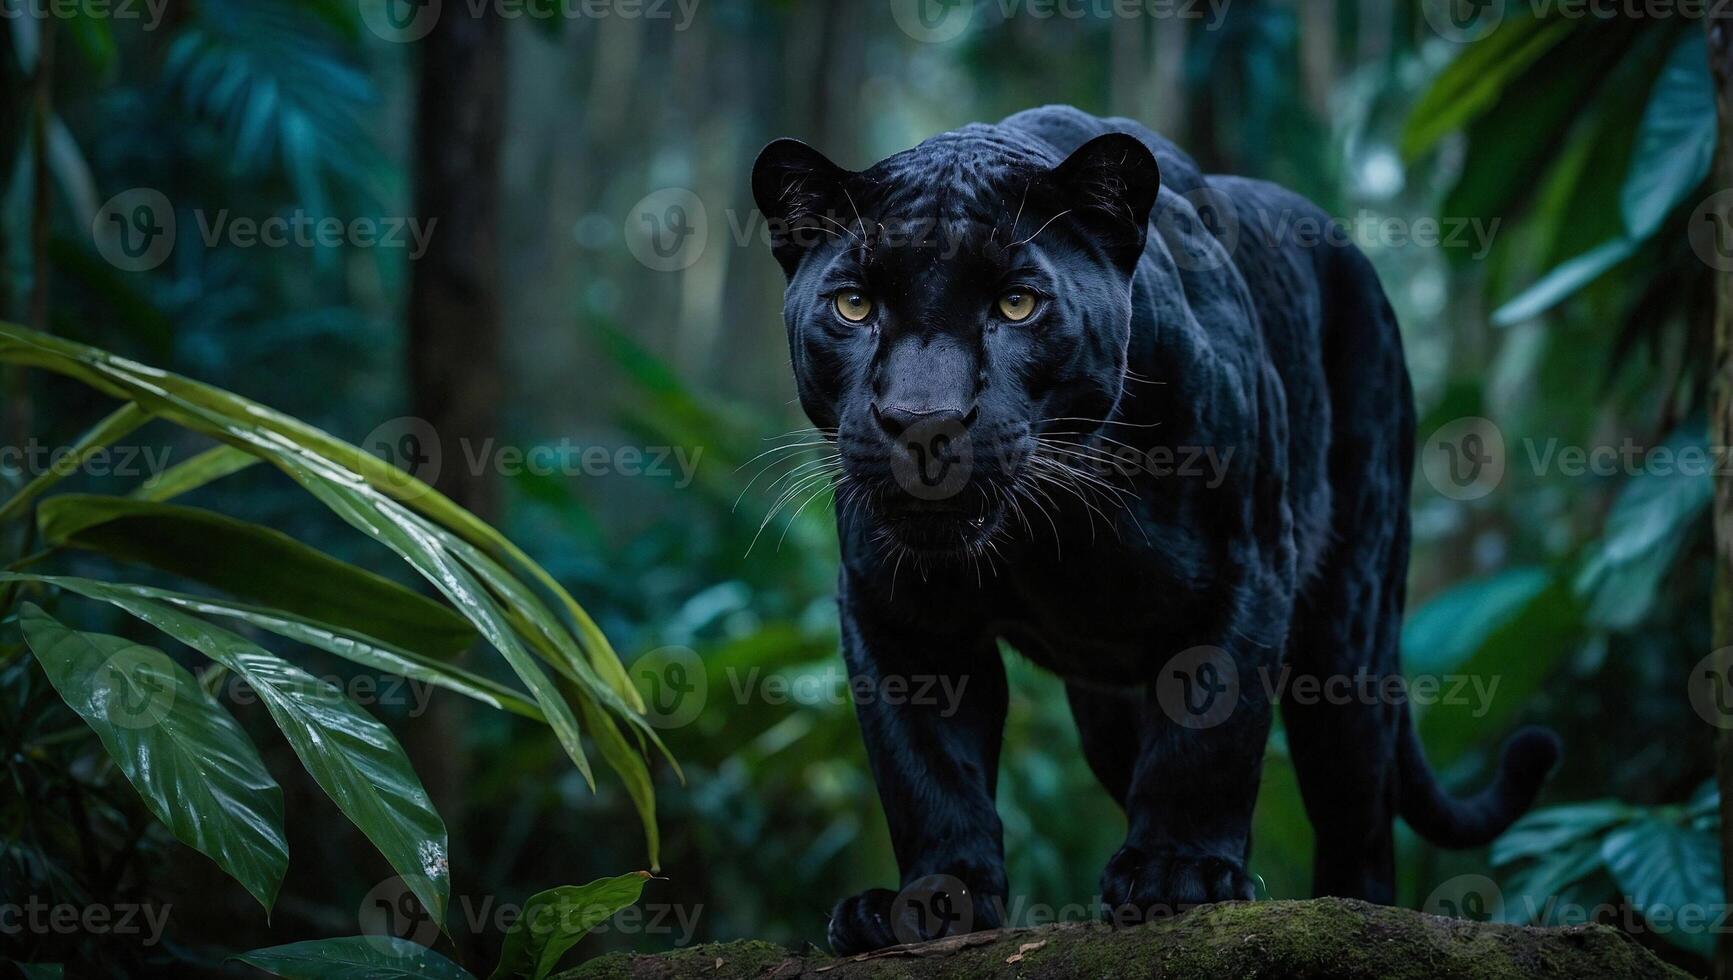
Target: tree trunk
{"x":454,"y":310}
{"x":454,"y":303}
{"x":1327,"y":937}
{"x":1720,"y":27}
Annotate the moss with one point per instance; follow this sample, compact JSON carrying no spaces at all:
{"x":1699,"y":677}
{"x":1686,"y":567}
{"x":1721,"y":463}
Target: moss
{"x":1334,"y":938}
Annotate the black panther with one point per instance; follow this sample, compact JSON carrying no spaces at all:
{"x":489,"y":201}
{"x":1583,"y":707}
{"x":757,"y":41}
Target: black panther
{"x":990,"y":326}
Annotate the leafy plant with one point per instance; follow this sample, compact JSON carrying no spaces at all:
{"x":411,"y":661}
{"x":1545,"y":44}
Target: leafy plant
{"x":177,"y":746}
{"x":1664,"y":861}
{"x":550,"y":923}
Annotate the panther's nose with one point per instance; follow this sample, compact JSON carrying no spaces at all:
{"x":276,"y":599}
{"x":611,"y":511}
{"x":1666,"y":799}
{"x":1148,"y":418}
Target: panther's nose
{"x":896,"y":420}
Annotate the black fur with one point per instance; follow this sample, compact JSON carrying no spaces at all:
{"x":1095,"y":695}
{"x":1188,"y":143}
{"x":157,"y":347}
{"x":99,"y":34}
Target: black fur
{"x":1158,"y":330}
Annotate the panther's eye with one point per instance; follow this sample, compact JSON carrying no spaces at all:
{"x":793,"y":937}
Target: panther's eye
{"x":853,"y":305}
{"x":1016,"y":305}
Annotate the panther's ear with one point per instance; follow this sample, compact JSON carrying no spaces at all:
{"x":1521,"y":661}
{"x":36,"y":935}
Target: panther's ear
{"x":796,"y":187}
{"x":1110,"y":183}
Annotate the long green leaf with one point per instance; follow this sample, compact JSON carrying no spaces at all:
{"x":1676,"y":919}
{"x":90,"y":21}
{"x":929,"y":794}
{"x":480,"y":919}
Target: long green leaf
{"x":353,"y":758}
{"x":1559,"y":284}
{"x":257,"y":563}
{"x":355,"y":958}
{"x":189,"y":761}
{"x":118,"y":425}
{"x":355,"y":647}
{"x":209,"y":466}
{"x":1675,"y":140}
{"x":553,"y":921}
{"x":1475,"y":81}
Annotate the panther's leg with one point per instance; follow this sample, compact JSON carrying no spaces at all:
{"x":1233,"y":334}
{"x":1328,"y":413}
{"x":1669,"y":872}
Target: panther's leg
{"x":932,"y":714}
{"x":1108,"y":725}
{"x":1189,"y":803}
{"x":1348,"y":619}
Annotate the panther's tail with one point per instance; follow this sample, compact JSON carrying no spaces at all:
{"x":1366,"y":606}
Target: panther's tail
{"x":1449,"y":821}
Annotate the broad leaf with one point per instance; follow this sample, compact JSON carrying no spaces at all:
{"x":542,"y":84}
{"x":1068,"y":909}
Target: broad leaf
{"x":257,"y":563}
{"x":1675,"y":141}
{"x":352,"y":757}
{"x":554,"y":920}
{"x":354,"y":647}
{"x":355,"y":958}
{"x":1474,"y":82}
{"x":1442,"y":634}
{"x":1664,"y":868}
{"x":1543,"y":832}
{"x":189,"y":761}
{"x":1654,"y":514}
{"x":1530,"y":895}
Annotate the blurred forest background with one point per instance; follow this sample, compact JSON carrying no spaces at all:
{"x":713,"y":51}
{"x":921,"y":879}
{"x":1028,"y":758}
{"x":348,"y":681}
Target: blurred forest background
{"x":1568,"y":152}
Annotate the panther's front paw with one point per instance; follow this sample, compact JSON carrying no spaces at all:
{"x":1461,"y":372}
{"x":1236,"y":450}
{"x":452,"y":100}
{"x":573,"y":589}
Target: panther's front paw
{"x":1139,"y":885}
{"x":862,"y":923}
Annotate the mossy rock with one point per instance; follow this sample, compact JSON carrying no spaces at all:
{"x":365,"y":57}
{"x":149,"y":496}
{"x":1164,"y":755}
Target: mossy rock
{"x":1323,"y":938}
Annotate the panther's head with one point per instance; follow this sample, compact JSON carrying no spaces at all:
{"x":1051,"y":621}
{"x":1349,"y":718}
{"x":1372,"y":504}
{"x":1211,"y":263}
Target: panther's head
{"x":950,"y":307}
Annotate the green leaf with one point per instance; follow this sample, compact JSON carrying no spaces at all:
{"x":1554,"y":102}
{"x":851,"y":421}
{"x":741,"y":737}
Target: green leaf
{"x":189,"y":761}
{"x":1558,"y":285}
{"x":1675,"y":141}
{"x":1655,"y":513}
{"x":354,"y":647}
{"x":1542,"y":832}
{"x":1663,"y":868}
{"x":629,"y":765}
{"x":353,"y":758}
{"x":1515,"y":657}
{"x":1528,"y":894}
{"x":376,"y":498}
{"x":554,"y":920}
{"x":355,"y":958}
{"x":257,"y":563}
{"x":1475,"y":82}
{"x":211,"y":465}
{"x":1442,"y":634}
{"x":118,"y":425}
